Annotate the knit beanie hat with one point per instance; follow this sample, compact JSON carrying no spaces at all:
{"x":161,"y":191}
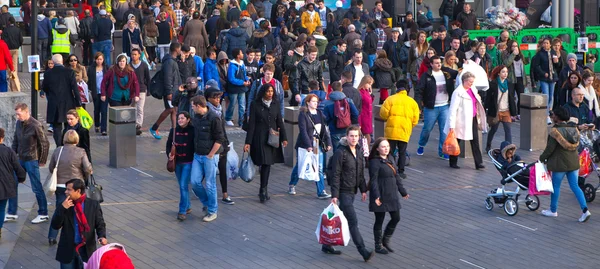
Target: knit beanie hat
{"x":490,"y":40}
{"x":339,"y":4}
{"x":571,"y":56}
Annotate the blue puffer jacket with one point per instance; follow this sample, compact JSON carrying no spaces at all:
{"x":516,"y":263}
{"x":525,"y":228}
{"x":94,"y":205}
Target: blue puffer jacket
{"x":236,"y":76}
{"x":330,"y":114}
{"x":211,"y":72}
{"x":235,"y":38}
{"x":200,"y":70}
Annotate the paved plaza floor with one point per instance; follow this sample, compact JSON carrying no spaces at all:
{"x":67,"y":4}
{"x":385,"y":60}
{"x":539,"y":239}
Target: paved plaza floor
{"x":443,"y":225}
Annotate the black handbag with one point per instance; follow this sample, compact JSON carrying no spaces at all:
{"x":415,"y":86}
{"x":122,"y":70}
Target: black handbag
{"x":94,"y":190}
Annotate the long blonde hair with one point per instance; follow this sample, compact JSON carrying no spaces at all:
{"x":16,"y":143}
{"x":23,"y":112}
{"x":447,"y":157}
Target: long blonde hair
{"x":365,"y":80}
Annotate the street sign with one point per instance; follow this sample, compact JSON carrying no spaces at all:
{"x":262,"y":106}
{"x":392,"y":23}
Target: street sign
{"x":582,"y":44}
{"x":33,"y":61}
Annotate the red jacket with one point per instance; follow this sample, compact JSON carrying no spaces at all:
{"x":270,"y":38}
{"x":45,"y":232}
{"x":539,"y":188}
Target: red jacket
{"x":5,"y":58}
{"x":108,"y":85}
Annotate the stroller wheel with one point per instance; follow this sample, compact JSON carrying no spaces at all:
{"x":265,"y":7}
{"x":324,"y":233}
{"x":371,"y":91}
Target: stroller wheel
{"x":489,"y":204}
{"x":532,"y":202}
{"x":589,"y":192}
{"x":511,"y":207}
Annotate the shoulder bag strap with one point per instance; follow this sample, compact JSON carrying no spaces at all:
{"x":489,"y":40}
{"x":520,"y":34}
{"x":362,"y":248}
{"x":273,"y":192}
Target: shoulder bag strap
{"x":313,"y":124}
{"x":58,"y":160}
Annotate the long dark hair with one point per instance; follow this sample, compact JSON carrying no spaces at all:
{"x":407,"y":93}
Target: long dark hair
{"x":261,"y":93}
{"x":374,"y":153}
{"x":496,"y":72}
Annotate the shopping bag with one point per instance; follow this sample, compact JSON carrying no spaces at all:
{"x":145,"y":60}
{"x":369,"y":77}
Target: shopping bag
{"x":333,"y":227}
{"x":365,"y":147}
{"x":247,"y":169}
{"x":532,"y":184}
{"x":585,"y":163}
{"x":308,"y":165}
{"x":51,"y":181}
{"x":451,"y":146}
{"x":84,"y":118}
{"x":84,"y":93}
{"x":232,"y":163}
{"x":543,"y":180}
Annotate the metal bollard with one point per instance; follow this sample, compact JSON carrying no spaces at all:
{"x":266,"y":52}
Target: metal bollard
{"x":121,"y":130}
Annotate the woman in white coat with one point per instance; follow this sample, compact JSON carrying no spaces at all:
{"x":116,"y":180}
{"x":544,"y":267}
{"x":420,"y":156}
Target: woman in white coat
{"x":467,"y":118}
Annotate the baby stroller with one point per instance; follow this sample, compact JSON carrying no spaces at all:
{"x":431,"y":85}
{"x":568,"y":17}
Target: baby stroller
{"x":517,"y":173}
{"x":586,"y":143}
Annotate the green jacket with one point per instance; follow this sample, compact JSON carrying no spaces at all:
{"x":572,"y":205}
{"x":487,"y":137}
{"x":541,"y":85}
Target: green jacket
{"x":560,"y":154}
{"x":495,"y":55}
{"x":507,"y":59}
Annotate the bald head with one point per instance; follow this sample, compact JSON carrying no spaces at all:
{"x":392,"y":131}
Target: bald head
{"x":577,"y":95}
{"x":57,"y":59}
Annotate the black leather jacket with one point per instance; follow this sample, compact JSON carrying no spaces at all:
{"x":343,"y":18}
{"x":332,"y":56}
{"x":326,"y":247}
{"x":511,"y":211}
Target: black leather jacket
{"x":30,"y":142}
{"x":348,"y":171}
{"x":307,"y":72}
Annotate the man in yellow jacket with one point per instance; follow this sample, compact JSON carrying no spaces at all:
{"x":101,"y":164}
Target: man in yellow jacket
{"x":401,"y":114}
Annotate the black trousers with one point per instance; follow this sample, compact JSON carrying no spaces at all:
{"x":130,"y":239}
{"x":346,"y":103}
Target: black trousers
{"x":223,"y":172}
{"x":347,"y":206}
{"x":87,"y":52}
{"x":474,"y":146}
{"x":380,"y":217}
{"x":519,"y":89}
{"x":57,"y":132}
{"x":265,"y":171}
{"x":401,"y":153}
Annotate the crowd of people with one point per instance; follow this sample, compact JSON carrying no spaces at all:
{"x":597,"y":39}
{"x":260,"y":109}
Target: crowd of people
{"x":252,"y":56}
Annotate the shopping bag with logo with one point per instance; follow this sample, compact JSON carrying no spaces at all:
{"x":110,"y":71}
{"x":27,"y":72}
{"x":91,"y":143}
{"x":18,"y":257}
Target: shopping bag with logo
{"x":84,"y":118}
{"x":543,"y":180}
{"x":451,"y":146}
{"x":247,"y":169}
{"x":532,"y":184}
{"x":308,"y":165}
{"x":84,"y":93}
{"x":585,"y":163}
{"x":333,"y":227}
{"x":232,"y":163}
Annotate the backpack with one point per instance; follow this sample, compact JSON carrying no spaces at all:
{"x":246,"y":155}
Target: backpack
{"x":341,"y":111}
{"x":156,"y":85}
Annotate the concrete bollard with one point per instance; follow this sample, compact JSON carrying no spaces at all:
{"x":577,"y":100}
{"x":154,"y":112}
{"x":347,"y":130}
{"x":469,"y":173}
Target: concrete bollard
{"x":121,"y":130}
{"x":534,"y":128}
{"x":290,"y":119}
{"x":379,"y":130}
{"x":8,"y":121}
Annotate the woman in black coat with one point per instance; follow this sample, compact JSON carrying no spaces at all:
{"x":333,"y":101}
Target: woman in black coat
{"x":385,"y":77}
{"x":97,"y":70}
{"x":500,"y":102}
{"x":73,"y":123}
{"x":384,"y":185}
{"x":265,"y":115}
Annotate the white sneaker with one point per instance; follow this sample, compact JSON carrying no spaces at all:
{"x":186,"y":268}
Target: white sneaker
{"x":40,"y":219}
{"x":585,"y":216}
{"x":210,"y":217}
{"x":549,"y":213}
{"x":10,"y":217}
{"x":229,"y":123}
{"x":549,"y":121}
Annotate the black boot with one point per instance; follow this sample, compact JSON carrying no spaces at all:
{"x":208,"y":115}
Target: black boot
{"x":267,"y":197}
{"x":387,"y":235}
{"x":330,"y":250}
{"x":366,"y":253}
{"x":378,"y":247}
{"x":261,"y":195}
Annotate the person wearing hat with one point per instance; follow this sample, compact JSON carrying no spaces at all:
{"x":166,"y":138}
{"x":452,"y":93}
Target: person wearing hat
{"x":102,"y":29}
{"x":465,"y":41}
{"x":340,"y":12}
{"x":571,"y":67}
{"x":62,"y":41}
{"x":442,"y":43}
{"x":492,"y":50}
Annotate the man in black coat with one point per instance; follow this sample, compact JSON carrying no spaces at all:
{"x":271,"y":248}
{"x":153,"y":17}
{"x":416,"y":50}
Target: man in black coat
{"x":9,"y":166}
{"x":61,"y":89}
{"x":336,"y":61}
{"x":81,"y":220}
{"x":86,"y":35}
{"x":348,"y":177}
{"x":442,"y":43}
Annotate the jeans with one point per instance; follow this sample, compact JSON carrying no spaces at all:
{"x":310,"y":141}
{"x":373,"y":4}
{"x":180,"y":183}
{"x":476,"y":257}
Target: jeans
{"x":42,"y":49}
{"x":321,"y":183}
{"x":100,"y":114}
{"x":490,"y":135}
{"x":3,"y":81}
{"x":335,"y":140}
{"x":105,"y":47}
{"x":3,"y":204}
{"x":548,"y":88}
{"x":76,"y":262}
{"x":205,"y":169}
{"x":87,"y":52}
{"x":446,"y":20}
{"x":572,"y":177}
{"x":240,"y":99}
{"x":60,"y":198}
{"x":430,"y":116}
{"x":33,"y":170}
{"x":347,"y":206}
{"x":183,"y":172}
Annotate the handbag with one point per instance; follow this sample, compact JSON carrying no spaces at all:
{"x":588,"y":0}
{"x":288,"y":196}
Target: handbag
{"x":285,"y":81}
{"x":273,"y":140}
{"x":131,"y":45}
{"x":94,"y":190}
{"x":495,"y":120}
{"x":50,"y":185}
{"x":171,"y":163}
{"x":321,"y":142}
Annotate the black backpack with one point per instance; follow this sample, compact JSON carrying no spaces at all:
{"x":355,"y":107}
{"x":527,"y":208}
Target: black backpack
{"x":156,"y":85}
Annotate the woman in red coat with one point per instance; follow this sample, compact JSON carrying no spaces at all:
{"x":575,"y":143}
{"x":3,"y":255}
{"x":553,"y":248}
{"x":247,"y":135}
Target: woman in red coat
{"x":426,"y":64}
{"x":365,"y":119}
{"x":120,"y":84}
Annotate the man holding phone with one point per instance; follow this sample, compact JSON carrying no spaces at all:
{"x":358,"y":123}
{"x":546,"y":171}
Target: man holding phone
{"x":81,"y":220}
{"x":579,"y":112}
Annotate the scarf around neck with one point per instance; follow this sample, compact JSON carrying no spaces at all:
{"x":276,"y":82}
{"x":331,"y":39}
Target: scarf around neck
{"x":267,"y":103}
{"x":217,"y":109}
{"x":81,"y":220}
{"x":121,"y":74}
{"x":502,"y":86}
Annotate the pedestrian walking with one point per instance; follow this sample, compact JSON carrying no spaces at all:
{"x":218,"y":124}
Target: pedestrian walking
{"x":165,"y":35}
{"x":384,"y":75}
{"x":467,"y":118}
{"x":337,"y":96}
{"x":72,"y":163}
{"x":132,"y":37}
{"x":500,"y":104}
{"x":95,"y":75}
{"x":120,"y":84}
{"x":11,"y":34}
{"x":546,"y":70}
{"x":63,"y":94}
{"x":365,"y":119}
{"x":194,"y":35}
{"x":150,"y":31}
{"x":182,"y":138}
{"x":85,"y":36}
{"x":314,"y":137}
{"x":62,"y":41}
{"x":348,"y":177}
{"x":73,"y":123}
{"x":171,"y":83}
{"x":9,"y":167}
{"x":44,"y":29}
{"x":142,"y":72}
{"x":237,"y":86}
{"x":82,"y":225}
{"x":208,"y":142}
{"x":31,"y":145}
{"x":384,"y":180}
{"x":561,"y":158}
{"x":265,"y":119}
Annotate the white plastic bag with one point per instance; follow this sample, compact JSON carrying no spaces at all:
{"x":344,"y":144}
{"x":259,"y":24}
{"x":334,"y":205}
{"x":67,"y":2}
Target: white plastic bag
{"x":481,"y":78}
{"x":333,"y":227}
{"x":247,"y":169}
{"x":547,"y":15}
{"x":543,"y":179}
{"x":232,"y":163}
{"x":84,"y":94}
{"x":308,"y":165}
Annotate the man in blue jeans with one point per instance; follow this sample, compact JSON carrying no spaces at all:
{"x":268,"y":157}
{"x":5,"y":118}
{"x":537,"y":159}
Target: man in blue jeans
{"x":9,"y":167}
{"x":31,"y":145}
{"x":437,"y":87}
{"x":237,"y":86}
{"x":102,"y":29}
{"x":329,"y":112}
{"x":209,"y":136}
